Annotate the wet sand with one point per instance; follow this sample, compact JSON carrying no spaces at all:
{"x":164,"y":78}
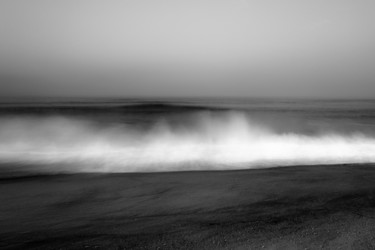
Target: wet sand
{"x":310,"y":207}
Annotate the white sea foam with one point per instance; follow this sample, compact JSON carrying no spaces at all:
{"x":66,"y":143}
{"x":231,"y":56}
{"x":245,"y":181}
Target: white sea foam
{"x":227,"y":141}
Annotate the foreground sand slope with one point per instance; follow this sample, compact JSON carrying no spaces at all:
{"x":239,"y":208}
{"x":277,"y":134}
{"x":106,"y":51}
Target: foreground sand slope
{"x":298,"y":207}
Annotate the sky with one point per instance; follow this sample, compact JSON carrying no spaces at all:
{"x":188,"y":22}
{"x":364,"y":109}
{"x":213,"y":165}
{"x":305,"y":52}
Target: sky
{"x":135,"y":48}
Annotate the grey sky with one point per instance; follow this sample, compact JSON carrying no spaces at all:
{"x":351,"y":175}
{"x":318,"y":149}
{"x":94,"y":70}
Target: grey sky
{"x":320,"y":48}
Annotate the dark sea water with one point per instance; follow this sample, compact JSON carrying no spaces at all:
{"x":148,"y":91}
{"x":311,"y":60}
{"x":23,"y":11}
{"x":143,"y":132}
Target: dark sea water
{"x":133,"y":135}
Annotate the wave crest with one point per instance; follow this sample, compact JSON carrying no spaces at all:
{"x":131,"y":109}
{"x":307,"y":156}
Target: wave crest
{"x":229,"y":140}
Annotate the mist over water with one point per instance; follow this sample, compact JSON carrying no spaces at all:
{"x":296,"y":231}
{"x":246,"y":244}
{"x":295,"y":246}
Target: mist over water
{"x":180,"y":140}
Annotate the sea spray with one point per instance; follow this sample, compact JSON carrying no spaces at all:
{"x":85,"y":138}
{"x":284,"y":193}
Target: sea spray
{"x":225,"y":140}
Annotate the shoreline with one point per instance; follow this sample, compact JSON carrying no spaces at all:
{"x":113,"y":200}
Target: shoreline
{"x":7,"y":170}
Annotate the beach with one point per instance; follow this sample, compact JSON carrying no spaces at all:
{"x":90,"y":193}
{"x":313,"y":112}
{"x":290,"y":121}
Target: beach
{"x":203,"y":125}
{"x":299,"y":207}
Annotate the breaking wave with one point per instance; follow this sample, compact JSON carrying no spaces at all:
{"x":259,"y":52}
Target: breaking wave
{"x":227,"y":141}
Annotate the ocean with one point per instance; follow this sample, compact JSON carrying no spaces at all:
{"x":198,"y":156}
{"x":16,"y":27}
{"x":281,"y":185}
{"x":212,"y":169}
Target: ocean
{"x":155,"y":135}
{"x":143,"y":174}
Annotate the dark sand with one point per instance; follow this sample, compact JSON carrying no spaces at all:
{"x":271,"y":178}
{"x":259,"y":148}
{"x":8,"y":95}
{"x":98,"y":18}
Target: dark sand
{"x":311,"y":207}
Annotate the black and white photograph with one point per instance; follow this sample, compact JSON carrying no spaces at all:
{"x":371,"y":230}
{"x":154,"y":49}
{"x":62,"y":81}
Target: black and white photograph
{"x":187,"y":124}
